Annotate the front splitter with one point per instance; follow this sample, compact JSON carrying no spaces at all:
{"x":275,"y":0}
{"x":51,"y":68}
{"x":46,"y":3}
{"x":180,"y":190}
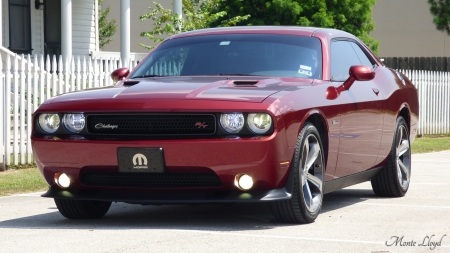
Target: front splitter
{"x":168,"y":197}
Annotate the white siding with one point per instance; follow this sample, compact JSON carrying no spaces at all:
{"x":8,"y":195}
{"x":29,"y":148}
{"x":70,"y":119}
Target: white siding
{"x":5,"y":24}
{"x":37,"y":30}
{"x":83,"y":27}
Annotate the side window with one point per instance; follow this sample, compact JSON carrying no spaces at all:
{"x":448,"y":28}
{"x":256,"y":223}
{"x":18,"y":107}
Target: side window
{"x":361,"y":55}
{"x":343,"y":56}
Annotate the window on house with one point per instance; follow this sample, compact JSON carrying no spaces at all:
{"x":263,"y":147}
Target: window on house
{"x":19,"y":26}
{"x":52,"y":22}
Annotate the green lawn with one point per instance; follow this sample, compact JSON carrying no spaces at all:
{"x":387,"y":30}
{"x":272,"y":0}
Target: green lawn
{"x":431,"y":143}
{"x":21,"y":181}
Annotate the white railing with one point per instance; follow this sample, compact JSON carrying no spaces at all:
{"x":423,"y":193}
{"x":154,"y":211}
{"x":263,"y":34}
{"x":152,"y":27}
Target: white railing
{"x":27,"y":81}
{"x":434,"y":96}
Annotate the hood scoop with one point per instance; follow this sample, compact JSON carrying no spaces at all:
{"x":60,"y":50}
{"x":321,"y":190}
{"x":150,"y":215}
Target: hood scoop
{"x":130,"y":83}
{"x":245,"y":83}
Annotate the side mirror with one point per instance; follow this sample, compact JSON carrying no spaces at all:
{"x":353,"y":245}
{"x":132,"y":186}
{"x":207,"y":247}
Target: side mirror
{"x":120,"y":74}
{"x":357,"y":73}
{"x":361,"y":73}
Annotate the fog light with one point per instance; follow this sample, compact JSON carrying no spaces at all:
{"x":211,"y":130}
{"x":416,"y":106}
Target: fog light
{"x":243,"y":182}
{"x":62,"y":180}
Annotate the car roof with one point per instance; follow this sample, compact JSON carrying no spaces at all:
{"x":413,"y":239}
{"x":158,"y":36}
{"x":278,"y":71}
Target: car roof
{"x":293,"y":30}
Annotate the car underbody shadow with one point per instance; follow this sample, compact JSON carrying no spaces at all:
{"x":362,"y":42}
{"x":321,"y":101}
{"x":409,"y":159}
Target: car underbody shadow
{"x":213,"y":217}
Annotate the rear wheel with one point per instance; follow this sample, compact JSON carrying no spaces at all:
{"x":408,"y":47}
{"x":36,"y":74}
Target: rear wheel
{"x":393,"y":180}
{"x":309,"y":167}
{"x":82,"y":209}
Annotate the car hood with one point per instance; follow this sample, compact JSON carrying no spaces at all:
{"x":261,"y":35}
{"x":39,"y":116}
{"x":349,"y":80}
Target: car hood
{"x":245,"y":89}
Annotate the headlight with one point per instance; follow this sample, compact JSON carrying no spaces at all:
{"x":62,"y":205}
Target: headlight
{"x":259,"y":123}
{"x":49,"y":122}
{"x":232,"y":122}
{"x":74,"y":122}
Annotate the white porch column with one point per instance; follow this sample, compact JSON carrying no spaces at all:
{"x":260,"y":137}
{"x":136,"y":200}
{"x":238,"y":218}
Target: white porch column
{"x":2,"y":101}
{"x":1,"y":23}
{"x":3,"y":113}
{"x":125,"y":32}
{"x":66,"y":29}
{"x":178,"y":8}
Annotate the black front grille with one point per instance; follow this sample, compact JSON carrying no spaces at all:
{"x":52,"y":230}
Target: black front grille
{"x":152,"y":124}
{"x":164,"y":180}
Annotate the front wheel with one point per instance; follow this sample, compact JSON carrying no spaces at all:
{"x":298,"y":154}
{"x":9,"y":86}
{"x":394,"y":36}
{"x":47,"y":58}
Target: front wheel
{"x":82,"y":209}
{"x":309,"y":168}
{"x":393,"y":180}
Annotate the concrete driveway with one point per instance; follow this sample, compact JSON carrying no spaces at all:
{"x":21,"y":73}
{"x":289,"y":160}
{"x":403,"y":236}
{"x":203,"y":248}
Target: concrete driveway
{"x":352,"y":220}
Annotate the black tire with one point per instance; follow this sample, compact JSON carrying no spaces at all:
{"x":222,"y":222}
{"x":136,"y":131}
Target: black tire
{"x":82,"y":209}
{"x":297,"y":210}
{"x":393,"y":180}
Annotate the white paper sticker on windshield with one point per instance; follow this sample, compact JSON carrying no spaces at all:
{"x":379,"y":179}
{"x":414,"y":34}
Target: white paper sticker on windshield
{"x":304,"y":70}
{"x":225,"y":43}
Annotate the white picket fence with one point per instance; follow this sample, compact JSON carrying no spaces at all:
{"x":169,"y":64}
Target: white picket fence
{"x":27,"y":81}
{"x":434,"y":96}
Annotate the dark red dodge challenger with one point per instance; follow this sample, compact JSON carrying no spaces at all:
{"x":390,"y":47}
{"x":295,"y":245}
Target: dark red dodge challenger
{"x":243,"y":114}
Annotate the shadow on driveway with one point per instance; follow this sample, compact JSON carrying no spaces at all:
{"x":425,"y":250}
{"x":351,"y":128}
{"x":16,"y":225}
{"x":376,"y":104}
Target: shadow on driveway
{"x":226,"y":217}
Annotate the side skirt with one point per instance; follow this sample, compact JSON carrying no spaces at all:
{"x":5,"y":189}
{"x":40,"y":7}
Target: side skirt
{"x":357,"y":178}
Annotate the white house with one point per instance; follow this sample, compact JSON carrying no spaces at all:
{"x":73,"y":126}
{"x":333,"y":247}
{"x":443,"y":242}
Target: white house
{"x":59,"y":42}
{"x":36,"y":28}
{"x":49,"y":27}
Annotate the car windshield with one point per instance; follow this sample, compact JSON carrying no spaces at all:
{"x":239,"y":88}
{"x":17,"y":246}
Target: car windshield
{"x":235,"y":54}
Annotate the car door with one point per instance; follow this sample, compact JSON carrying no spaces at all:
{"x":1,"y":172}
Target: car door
{"x":361,"y":120}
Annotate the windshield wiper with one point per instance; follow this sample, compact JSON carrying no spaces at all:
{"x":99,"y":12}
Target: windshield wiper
{"x":143,"y":76}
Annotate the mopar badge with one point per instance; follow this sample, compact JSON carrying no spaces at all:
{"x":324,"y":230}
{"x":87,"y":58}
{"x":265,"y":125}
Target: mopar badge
{"x":101,"y":125}
{"x":201,"y":124}
{"x":140,"y":161}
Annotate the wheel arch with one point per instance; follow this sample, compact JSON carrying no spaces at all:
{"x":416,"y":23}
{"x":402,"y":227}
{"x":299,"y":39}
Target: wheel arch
{"x":318,"y":119}
{"x":405,"y":112}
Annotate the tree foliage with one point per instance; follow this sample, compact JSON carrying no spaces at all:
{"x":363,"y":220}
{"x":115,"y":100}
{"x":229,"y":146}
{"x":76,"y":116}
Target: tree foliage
{"x":106,"y":28}
{"x":353,"y":16}
{"x":441,"y":12}
{"x":197,"y":14}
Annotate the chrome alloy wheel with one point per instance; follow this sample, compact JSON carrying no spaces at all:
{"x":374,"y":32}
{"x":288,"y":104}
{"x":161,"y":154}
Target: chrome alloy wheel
{"x":312,"y":173}
{"x":403,"y":157}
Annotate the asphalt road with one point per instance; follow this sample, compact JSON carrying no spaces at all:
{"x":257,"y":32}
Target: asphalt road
{"x":352,"y":220}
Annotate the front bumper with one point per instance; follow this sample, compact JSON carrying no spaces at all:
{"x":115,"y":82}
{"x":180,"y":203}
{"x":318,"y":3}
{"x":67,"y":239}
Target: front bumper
{"x":265,"y":159}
